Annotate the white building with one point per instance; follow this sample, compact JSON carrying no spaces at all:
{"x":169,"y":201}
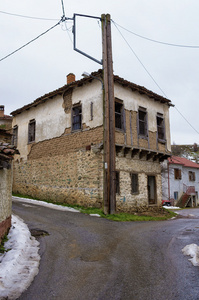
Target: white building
{"x":180,"y":181}
{"x":60,"y":140}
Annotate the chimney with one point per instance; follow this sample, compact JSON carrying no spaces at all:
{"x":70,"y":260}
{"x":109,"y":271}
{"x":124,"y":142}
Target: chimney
{"x":1,"y":111}
{"x":70,"y":78}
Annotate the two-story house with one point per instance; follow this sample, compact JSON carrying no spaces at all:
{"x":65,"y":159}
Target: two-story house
{"x":180,"y":181}
{"x":60,"y":140}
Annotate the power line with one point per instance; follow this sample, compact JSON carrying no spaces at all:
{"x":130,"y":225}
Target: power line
{"x":154,"y":79}
{"x":30,"y":41}
{"x":29,"y":17}
{"x":155,"y":41}
{"x":186,"y":120}
{"x":139,"y":60}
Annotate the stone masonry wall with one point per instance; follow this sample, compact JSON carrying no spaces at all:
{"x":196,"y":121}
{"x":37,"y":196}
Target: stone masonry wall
{"x":66,"y":169}
{"x":73,"y":178}
{"x":5,"y":200}
{"x":133,"y":202}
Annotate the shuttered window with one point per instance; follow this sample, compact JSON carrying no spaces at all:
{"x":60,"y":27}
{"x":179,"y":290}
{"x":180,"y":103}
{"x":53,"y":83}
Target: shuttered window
{"x":192,"y":176}
{"x":177,"y":174}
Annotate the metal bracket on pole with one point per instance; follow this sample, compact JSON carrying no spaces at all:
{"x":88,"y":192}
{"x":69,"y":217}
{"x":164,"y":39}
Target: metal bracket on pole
{"x":74,"y":39}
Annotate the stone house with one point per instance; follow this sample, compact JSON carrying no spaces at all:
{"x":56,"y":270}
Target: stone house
{"x":6,"y":155}
{"x":180,"y":181}
{"x":60,"y":139}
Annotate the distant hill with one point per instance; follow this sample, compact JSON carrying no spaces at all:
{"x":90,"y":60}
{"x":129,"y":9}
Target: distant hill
{"x":190,"y":152}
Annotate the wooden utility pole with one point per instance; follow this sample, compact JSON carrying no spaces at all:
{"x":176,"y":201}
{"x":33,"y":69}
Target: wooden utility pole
{"x":109,"y":118}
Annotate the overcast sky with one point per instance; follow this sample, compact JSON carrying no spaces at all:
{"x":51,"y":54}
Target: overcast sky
{"x":42,"y":66}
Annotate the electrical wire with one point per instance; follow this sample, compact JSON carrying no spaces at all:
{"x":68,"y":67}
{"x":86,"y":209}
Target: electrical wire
{"x":139,"y":60}
{"x":30,"y":41}
{"x":29,"y":17}
{"x":155,"y":41}
{"x":186,"y":120}
{"x":154,"y":79}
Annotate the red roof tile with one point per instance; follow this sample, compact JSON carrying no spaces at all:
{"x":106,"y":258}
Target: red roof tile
{"x":182,"y":161}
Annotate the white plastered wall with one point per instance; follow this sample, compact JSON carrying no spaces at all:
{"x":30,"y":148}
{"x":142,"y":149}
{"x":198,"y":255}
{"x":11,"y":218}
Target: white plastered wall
{"x":51,"y":119}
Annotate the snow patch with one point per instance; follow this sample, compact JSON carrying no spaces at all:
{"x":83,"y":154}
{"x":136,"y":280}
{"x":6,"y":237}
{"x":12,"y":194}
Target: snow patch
{"x":193,"y":251}
{"x":171,"y":207}
{"x":95,"y":215}
{"x":42,"y":203}
{"x":20,"y":264}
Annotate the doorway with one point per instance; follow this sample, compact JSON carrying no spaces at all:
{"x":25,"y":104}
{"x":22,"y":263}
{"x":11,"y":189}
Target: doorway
{"x":151,"y":190}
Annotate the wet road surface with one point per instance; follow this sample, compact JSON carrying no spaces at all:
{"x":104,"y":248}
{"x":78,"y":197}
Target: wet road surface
{"x":90,"y":258}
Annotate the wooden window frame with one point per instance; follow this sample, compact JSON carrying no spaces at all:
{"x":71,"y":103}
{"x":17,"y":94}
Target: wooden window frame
{"x":134,"y":183}
{"x":175,"y":195}
{"x":177,"y":174}
{"x":15,"y":135}
{"x":31,"y":131}
{"x":160,"y":127}
{"x":119,"y":114}
{"x":192,"y":176}
{"x":76,"y":126}
{"x":142,"y":123}
{"x":117,"y":182}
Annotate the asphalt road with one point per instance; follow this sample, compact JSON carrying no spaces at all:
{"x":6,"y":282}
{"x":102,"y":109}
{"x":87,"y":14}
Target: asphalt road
{"x":89,"y":258}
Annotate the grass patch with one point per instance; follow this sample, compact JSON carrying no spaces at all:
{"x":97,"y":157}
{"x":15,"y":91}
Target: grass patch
{"x":125,"y":217}
{"x":120,"y":217}
{"x":2,"y":248}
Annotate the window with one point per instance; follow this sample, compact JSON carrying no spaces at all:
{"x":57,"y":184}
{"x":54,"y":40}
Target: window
{"x":117,"y":182}
{"x":160,"y":127}
{"x":142,"y":119}
{"x":15,"y":136}
{"x":31,"y":131}
{"x":119,"y":109}
{"x":177,"y":174}
{"x":192,"y":176}
{"x":175,"y":195}
{"x":134,"y":183}
{"x":77,"y":117}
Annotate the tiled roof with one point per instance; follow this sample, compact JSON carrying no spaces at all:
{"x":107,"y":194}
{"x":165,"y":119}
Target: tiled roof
{"x":6,"y":117}
{"x":99,"y":73}
{"x":182,"y":161}
{"x":7,"y":151}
